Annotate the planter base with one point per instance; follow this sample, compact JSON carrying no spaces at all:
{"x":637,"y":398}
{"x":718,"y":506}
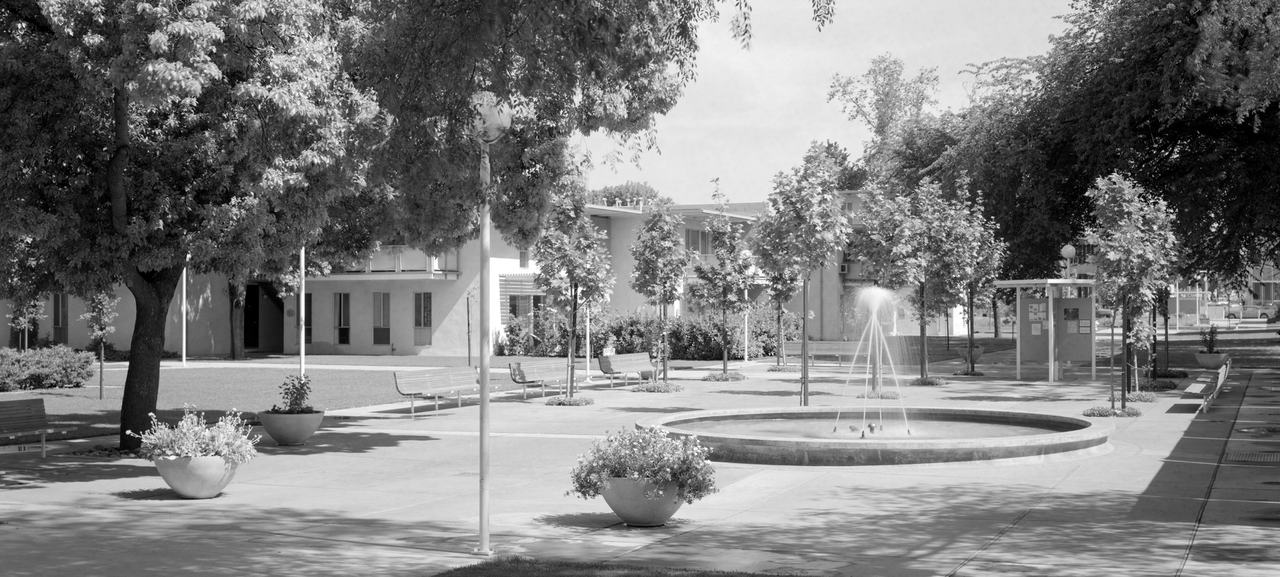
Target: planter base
{"x":627,"y":499}
{"x":196,"y":477}
{"x":291,"y":429}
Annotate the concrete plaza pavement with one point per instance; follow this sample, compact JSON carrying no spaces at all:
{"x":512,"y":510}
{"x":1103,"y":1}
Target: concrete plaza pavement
{"x":1176,"y":492}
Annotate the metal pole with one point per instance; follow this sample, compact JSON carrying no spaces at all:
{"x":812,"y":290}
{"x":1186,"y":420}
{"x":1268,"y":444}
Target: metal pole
{"x":485,"y":305}
{"x":1093,"y":337}
{"x":746,"y":315}
{"x":184,"y":315}
{"x":1053,"y":358}
{"x":1017,"y":332}
{"x":302,"y":311}
{"x":588,"y":370}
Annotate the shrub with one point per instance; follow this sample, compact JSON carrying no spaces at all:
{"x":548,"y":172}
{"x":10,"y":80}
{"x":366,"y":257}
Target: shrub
{"x":783,"y":368}
{"x":229,"y":438}
{"x":563,"y":401}
{"x":54,"y":367}
{"x":719,"y":377}
{"x":658,"y":388}
{"x":928,"y":382}
{"x":879,"y":395}
{"x":968,"y":373}
{"x":1169,"y":374}
{"x":1161,"y":385}
{"x":1209,"y":339}
{"x":295,"y":391}
{"x":1109,"y":412}
{"x":1138,"y":397}
{"x":645,"y":454}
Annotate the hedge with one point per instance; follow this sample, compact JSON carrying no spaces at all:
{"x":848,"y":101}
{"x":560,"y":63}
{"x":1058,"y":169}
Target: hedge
{"x":47,"y":368}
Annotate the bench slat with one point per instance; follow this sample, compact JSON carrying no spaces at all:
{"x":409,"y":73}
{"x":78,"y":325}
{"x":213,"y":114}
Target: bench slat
{"x":26,"y":417}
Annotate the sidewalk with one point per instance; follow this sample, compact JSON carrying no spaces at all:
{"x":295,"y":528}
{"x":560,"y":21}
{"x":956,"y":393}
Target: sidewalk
{"x":1179,"y":493}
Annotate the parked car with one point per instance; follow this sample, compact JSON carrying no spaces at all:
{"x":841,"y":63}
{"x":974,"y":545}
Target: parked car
{"x":1254,"y":311}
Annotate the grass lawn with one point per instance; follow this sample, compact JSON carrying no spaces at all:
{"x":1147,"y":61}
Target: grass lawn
{"x":528,"y":567}
{"x":1249,"y":348}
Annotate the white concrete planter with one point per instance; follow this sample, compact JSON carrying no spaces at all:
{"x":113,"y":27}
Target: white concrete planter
{"x":1212,"y":361}
{"x":626,"y":498}
{"x":196,"y":477}
{"x":291,"y":429}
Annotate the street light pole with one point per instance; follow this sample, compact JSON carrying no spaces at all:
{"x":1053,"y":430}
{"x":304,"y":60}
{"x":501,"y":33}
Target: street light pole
{"x":489,"y":127}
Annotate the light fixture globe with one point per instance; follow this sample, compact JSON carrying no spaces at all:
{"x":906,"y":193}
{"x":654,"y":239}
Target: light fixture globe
{"x":494,"y":120}
{"x":1068,"y":252}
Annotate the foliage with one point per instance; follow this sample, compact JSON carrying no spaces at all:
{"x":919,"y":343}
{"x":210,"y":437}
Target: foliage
{"x":295,"y":391}
{"x":722,"y":377}
{"x":646,"y":454}
{"x":229,"y":438}
{"x":1209,"y":340}
{"x":100,"y":311}
{"x":44,"y":368}
{"x":1103,"y":411}
{"x":928,"y":382}
{"x":1138,"y":397}
{"x":26,"y":317}
{"x":563,"y":401}
{"x":660,"y":260}
{"x":658,"y":388}
{"x":1169,"y":374}
{"x":968,"y":373}
{"x":882,"y":97}
{"x":721,"y":283}
{"x":1160,"y":385}
{"x":783,"y":369}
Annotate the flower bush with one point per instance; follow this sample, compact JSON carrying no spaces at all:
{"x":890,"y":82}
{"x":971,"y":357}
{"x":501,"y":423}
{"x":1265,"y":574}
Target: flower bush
{"x":1209,"y":340}
{"x":721,"y":377}
{"x":928,"y":382}
{"x":646,"y":454}
{"x":563,"y":401}
{"x":1110,"y":412}
{"x":229,"y":438}
{"x":658,"y":388}
{"x":295,"y":391}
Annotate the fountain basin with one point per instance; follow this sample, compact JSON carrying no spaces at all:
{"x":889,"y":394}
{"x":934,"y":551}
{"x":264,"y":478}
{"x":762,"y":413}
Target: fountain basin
{"x":795,"y":436}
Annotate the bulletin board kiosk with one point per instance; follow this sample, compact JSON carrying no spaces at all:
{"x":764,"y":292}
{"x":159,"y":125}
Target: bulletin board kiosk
{"x":1058,"y":326}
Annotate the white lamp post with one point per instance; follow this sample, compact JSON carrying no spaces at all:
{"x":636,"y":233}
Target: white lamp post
{"x":1069,"y":254}
{"x":494,"y":120}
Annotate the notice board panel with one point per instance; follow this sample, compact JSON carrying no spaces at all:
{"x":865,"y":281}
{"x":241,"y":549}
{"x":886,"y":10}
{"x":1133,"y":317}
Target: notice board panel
{"x":1073,"y":328}
{"x":1033,"y":329}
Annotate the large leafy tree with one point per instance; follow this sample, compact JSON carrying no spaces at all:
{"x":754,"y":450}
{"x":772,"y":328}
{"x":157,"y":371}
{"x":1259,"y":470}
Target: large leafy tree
{"x":660,"y":258}
{"x":144,"y":133}
{"x":914,"y":241}
{"x":1135,"y":254}
{"x":805,"y":225}
{"x":780,"y":269}
{"x":627,"y":193}
{"x":979,"y":258}
{"x":1181,"y":97}
{"x":722,"y":281}
{"x":573,"y":263}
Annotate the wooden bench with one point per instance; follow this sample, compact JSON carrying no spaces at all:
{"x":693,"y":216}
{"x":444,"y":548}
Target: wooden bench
{"x":538,"y":374}
{"x":1209,"y":384}
{"x":837,"y":349}
{"x":26,"y":417}
{"x":436,"y":384}
{"x":624,"y":365}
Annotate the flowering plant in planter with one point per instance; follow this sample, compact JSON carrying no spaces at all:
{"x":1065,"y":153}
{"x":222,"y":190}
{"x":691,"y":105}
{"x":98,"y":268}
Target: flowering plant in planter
{"x":295,"y":391}
{"x":646,"y":455}
{"x":229,"y":438}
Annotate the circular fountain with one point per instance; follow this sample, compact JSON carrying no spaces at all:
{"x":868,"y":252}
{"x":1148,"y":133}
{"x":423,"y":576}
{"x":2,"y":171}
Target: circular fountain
{"x":881,"y":434}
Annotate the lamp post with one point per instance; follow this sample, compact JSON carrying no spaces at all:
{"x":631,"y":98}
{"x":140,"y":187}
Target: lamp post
{"x":1068,"y":254}
{"x":493,"y":121}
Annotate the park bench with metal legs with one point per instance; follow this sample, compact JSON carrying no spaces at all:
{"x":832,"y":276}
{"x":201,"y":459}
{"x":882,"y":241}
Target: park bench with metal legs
{"x":539,"y":374}
{"x":1209,"y":384}
{"x":436,"y":384}
{"x":638,"y":363}
{"x":838,"y":349}
{"x":26,"y":418}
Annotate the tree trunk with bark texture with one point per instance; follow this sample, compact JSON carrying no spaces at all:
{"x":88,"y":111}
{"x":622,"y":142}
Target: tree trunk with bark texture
{"x":152,"y":291}
{"x":236,"y":292}
{"x":924,"y":338}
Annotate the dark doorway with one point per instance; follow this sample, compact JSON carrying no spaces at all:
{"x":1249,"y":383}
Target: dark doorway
{"x":251,"y":301}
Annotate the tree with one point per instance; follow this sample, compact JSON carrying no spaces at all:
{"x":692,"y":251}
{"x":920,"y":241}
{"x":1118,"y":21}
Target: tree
{"x":780,"y":270}
{"x":912,"y":241}
{"x":1134,"y":256}
{"x":979,"y":259}
{"x":628,"y":193}
{"x":723,"y":280}
{"x":804,"y":226}
{"x":573,"y":263}
{"x":660,"y":262}
{"x":146,"y":133}
{"x":1182,"y":98}
{"x":100,"y":310}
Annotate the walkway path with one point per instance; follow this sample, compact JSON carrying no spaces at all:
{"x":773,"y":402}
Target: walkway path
{"x":378,"y":493}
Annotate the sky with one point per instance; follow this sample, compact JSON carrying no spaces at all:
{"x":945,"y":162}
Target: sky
{"x":752,"y":113}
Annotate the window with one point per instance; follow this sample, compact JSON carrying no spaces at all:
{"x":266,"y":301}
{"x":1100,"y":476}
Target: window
{"x":381,"y":318}
{"x":524,"y":259}
{"x":421,"y":319}
{"x":447,"y":262}
{"x":521,"y":305}
{"x":306,"y":318}
{"x":342,"y":317}
{"x":698,"y":242}
{"x":59,"y":302}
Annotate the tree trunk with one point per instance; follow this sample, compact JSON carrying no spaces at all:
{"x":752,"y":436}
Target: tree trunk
{"x":573,"y":329}
{"x":724,"y":336}
{"x":1166,"y":338}
{"x":102,"y":352}
{"x":1127,"y":353}
{"x":152,"y":291}
{"x":995,"y":317}
{"x":778,"y":360}
{"x":1155,"y":341}
{"x":665,"y":349}
{"x":972,"y":364}
{"x":236,"y":292}
{"x":924,"y":338}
